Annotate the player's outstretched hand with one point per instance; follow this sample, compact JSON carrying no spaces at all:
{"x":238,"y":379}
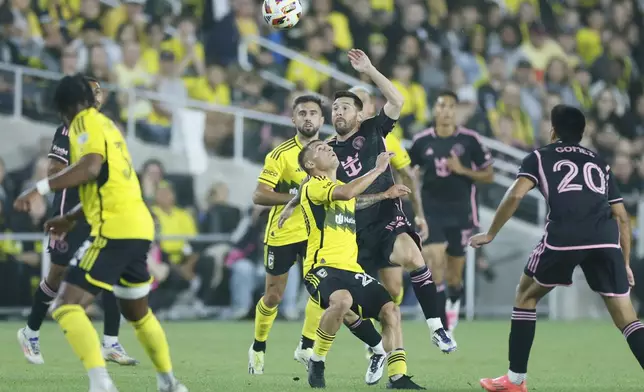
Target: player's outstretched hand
{"x":382,"y":162}
{"x":397,"y":191}
{"x":59,"y":226}
{"x":359,"y":60}
{"x":23,"y":202}
{"x":629,"y":275}
{"x":286,"y":213}
{"x":480,"y":239}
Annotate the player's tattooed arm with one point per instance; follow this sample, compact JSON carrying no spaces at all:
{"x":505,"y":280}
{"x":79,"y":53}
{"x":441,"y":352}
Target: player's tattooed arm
{"x":364,"y":201}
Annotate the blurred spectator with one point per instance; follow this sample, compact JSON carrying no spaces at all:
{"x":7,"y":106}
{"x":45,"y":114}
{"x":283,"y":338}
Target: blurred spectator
{"x":219,"y":216}
{"x":302,"y":74}
{"x":628,"y":181}
{"x":211,"y":88}
{"x":131,"y":73}
{"x":129,"y":11}
{"x":25,"y":32}
{"x":157,"y":126}
{"x":509,"y":105}
{"x":90,"y":37}
{"x":7,"y":187}
{"x":188,"y":51}
{"x":151,"y":54}
{"x":538,"y":50}
{"x":415,"y":113}
{"x":152,"y":173}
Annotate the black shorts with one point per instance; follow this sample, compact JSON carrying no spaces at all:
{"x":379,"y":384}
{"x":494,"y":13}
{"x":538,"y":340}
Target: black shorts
{"x":62,"y":251}
{"x":453,"y":226}
{"x":278,"y":260}
{"x":369,"y":296}
{"x":376,"y":241}
{"x":101,"y":263}
{"x":604,"y":268}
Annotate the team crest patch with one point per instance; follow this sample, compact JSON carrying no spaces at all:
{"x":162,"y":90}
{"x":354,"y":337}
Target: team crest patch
{"x":62,"y":246}
{"x":358,"y":142}
{"x":82,"y":139}
{"x":458,"y":149}
{"x":270,"y":260}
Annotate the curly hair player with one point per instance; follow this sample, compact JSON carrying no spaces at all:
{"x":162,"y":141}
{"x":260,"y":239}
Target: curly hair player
{"x":60,"y":253}
{"x":587,"y":226}
{"x":114,"y":258}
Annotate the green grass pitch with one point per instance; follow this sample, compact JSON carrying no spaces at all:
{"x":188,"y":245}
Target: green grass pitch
{"x":212,"y":356}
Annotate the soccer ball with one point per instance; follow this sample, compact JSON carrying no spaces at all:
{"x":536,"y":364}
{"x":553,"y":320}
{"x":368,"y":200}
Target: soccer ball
{"x":282,"y":14}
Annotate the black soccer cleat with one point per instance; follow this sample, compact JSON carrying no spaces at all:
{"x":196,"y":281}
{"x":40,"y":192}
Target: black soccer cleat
{"x":404,"y":382}
{"x":316,"y":374}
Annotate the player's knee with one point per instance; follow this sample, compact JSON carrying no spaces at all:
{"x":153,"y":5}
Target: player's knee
{"x":453,"y":278}
{"x":273,"y":296}
{"x":390,"y":315}
{"x":341,"y":301}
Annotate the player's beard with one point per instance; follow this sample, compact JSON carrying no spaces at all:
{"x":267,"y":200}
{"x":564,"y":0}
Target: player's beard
{"x":343,"y":126}
{"x":308,"y":130}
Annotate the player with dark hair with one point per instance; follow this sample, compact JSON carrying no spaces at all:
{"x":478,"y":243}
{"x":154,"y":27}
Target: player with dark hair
{"x":114,"y":258}
{"x":587,"y":226}
{"x":452,"y":159}
{"x":279,"y":180}
{"x":385,"y":236}
{"x":332,"y":274}
{"x":61,"y":252}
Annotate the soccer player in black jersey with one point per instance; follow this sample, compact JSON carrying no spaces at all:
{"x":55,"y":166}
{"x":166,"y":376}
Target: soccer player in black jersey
{"x":452,"y":160}
{"x":60,"y":253}
{"x":587,"y":226}
{"x":385,"y":236}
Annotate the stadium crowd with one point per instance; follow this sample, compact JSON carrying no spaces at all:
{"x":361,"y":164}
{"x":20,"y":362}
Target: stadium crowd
{"x":509,"y":62}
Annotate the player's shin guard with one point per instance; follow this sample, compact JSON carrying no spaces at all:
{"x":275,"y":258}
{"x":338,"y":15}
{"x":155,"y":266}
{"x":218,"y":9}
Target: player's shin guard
{"x":112,"y":322}
{"x":80,"y":334}
{"x":634,"y":334}
{"x":396,"y":363}
{"x":152,"y":337}
{"x":42,"y":299}
{"x":425,"y":290}
{"x":264,"y":319}
{"x":312,"y":315}
{"x":323,"y":343}
{"x":523,"y":326}
{"x":367,"y":333}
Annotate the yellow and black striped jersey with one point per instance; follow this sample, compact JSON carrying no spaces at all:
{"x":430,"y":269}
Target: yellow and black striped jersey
{"x":331,"y":227}
{"x":113,"y":203}
{"x":283,"y":173}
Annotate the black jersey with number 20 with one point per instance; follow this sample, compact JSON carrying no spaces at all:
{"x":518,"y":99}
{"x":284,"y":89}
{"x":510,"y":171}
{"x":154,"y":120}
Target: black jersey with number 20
{"x":579,"y":189}
{"x":358,"y":155}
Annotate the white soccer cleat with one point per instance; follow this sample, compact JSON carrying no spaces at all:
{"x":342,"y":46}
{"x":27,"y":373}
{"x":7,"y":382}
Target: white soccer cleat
{"x":302,"y":355}
{"x":443,"y":341}
{"x":116,"y":353}
{"x":452,"y":311}
{"x":255,"y":361}
{"x":376,"y":369}
{"x":30,"y":347}
{"x":176,"y":387}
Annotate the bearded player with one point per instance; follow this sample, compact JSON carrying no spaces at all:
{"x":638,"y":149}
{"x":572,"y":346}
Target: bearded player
{"x":61,"y":252}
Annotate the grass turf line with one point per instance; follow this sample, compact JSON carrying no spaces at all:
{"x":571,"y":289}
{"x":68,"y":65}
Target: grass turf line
{"x":207,"y":356}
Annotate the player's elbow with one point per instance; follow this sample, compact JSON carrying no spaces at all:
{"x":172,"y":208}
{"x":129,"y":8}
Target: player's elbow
{"x":93,"y":168}
{"x":258,"y":198}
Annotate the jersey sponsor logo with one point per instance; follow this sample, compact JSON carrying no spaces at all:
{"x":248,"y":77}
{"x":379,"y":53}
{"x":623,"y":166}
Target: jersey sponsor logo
{"x":270,"y":260}
{"x":458,"y":149}
{"x":358,"y":142}
{"x":59,"y":150}
{"x":269,"y":172}
{"x":341,"y":220}
{"x":441,"y":167}
{"x":352,"y":165}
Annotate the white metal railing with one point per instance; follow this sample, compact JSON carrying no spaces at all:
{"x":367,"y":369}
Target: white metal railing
{"x":245,"y":62}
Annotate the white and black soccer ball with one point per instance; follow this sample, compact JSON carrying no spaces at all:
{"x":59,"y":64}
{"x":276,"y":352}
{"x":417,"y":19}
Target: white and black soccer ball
{"x":282,"y":14}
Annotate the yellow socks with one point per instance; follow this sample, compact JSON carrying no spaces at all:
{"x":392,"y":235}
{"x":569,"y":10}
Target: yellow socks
{"x":80,"y":334}
{"x":397,"y":363}
{"x":264,"y":319}
{"x":312,"y":315}
{"x":151,"y":336}
{"x":323,"y":342}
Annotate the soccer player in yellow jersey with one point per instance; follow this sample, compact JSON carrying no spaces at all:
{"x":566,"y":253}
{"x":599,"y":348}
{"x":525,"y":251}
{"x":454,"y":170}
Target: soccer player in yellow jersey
{"x":114,"y":258}
{"x":331,"y":271}
{"x":277,"y":183}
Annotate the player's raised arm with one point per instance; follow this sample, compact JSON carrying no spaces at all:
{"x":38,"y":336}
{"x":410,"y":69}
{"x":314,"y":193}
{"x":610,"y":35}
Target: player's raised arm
{"x":395,"y":100}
